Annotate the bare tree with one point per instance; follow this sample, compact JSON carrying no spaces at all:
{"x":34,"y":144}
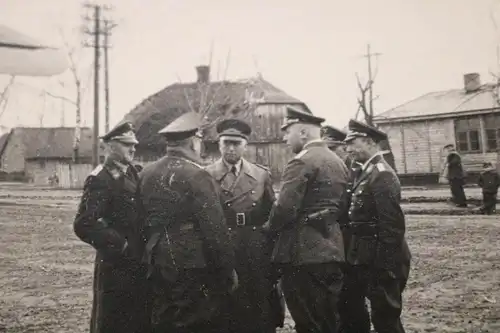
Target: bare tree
{"x":74,"y":57}
{"x":4,"y":95}
{"x":365,"y":106}
{"x":213,"y":101}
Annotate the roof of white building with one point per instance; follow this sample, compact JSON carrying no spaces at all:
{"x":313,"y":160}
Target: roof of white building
{"x":442,"y":104}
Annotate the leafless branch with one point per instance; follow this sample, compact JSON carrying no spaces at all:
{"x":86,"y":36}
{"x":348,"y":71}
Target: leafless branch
{"x":357,"y":112}
{"x":5,"y":91}
{"x":215,"y":95}
{"x":64,"y":98}
{"x":188,"y":100}
{"x":228,"y":57}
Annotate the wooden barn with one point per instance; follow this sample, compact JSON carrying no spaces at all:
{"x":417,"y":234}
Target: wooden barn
{"x":254,"y":100}
{"x":39,"y":153}
{"x":468,"y":117}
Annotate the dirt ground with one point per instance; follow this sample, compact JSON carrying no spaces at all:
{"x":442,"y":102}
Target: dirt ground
{"x":46,"y":273}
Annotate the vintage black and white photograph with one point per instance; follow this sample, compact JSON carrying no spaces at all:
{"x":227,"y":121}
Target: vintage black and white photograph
{"x":189,"y":166}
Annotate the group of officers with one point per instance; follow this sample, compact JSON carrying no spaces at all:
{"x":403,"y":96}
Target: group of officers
{"x":188,"y":248}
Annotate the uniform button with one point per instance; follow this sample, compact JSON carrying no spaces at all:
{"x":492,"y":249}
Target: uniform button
{"x":254,"y":204}
{"x":253,"y":191}
{"x":254,"y":228}
{"x":229,"y":229}
{"x":229,"y":205}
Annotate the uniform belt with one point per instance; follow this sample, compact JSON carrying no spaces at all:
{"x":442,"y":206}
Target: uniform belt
{"x":242,"y":220}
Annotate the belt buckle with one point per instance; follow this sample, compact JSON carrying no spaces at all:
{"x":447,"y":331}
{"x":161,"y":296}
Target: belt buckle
{"x":240,"y":219}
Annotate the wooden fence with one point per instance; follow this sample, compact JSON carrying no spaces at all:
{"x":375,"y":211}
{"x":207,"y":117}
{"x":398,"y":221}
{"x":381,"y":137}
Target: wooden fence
{"x":72,"y":176}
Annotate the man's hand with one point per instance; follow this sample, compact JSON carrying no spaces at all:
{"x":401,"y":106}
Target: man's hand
{"x":234,"y":281}
{"x":125,"y":246}
{"x":266,"y":227}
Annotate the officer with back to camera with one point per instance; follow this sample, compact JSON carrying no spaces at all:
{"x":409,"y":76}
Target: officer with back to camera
{"x":188,"y":251}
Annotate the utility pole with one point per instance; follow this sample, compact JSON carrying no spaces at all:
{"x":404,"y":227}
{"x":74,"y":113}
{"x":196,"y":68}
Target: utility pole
{"x":108,"y":26}
{"x":96,"y":33}
{"x":369,"y":55}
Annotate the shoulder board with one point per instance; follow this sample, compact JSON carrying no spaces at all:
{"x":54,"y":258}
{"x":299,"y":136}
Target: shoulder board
{"x":262,"y":167}
{"x":370,"y":168}
{"x":381,"y":167}
{"x":301,"y":154}
{"x":96,"y":171}
{"x":193,"y":163}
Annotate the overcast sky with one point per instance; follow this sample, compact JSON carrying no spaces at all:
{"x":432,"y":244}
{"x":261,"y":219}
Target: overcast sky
{"x":310,"y":49}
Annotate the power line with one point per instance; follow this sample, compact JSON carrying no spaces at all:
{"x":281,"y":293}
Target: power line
{"x":99,"y":27}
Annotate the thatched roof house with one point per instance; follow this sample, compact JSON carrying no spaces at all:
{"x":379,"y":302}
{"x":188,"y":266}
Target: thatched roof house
{"x":255,"y":99}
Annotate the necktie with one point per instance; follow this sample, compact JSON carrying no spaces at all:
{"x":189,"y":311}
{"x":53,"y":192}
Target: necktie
{"x":230,"y":177}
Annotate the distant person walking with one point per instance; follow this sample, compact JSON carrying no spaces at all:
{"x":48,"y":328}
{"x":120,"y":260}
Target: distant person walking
{"x":489,"y":181}
{"x":455,"y":175}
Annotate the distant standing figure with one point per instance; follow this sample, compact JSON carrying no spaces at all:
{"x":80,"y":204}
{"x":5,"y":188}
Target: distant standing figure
{"x":455,"y":177}
{"x":489,"y":181}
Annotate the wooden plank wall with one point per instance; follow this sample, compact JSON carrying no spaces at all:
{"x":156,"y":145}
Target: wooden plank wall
{"x":72,"y":176}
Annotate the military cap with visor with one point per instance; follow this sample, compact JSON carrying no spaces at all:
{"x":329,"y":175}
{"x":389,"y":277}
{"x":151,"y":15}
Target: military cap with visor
{"x":184,"y":127}
{"x":123,"y":132}
{"x":332,"y":136}
{"x":295,"y":116}
{"x":233,"y":128}
{"x":359,"y":130}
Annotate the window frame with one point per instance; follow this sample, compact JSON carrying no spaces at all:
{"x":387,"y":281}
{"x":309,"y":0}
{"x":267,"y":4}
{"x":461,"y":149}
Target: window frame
{"x":492,"y":124}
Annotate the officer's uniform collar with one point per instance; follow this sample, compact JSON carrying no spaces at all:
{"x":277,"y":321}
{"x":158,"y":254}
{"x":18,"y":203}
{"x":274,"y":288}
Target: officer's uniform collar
{"x":317,"y":142}
{"x":184,"y":153}
{"x":238,"y":165}
{"x":377,"y":154}
{"x":122,"y":167}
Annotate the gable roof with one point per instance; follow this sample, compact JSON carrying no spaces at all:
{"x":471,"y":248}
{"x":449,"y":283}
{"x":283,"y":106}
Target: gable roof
{"x":217,"y":99}
{"x":53,"y":142}
{"x":443,"y":104}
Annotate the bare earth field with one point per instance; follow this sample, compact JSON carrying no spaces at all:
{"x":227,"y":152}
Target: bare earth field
{"x":46,"y":273}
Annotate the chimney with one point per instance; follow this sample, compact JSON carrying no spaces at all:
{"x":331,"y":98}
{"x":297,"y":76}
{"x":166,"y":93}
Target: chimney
{"x":203,"y":73}
{"x":472,"y":82}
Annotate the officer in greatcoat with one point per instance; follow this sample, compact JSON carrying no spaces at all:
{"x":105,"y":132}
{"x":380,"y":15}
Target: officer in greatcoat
{"x":247,"y":196}
{"x":360,"y":323}
{"x":304,"y":222}
{"x":108,"y":219}
{"x":378,"y":248}
{"x":188,"y":250}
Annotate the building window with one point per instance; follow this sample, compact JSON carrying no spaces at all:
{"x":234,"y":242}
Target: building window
{"x":492,"y":131}
{"x":467,"y":132}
